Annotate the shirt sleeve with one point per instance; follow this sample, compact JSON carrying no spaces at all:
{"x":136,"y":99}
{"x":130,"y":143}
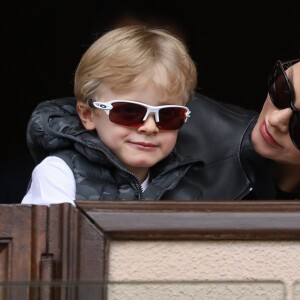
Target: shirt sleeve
{"x":52,"y":182}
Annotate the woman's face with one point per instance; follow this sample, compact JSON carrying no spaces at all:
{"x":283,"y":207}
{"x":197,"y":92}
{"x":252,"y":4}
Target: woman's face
{"x":270,"y":135}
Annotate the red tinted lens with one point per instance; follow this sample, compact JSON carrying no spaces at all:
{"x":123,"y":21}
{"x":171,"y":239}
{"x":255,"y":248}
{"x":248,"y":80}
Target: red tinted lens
{"x":131,"y":114}
{"x":295,"y":129}
{"x":171,"y":118}
{"x":127,"y":114}
{"x":279,"y":89}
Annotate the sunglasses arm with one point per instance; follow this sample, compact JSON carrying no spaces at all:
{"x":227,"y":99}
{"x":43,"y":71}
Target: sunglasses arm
{"x":100,"y":105}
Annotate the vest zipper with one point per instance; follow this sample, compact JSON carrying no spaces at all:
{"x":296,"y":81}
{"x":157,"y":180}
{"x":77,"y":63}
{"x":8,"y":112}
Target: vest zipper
{"x":172,"y":185}
{"x":136,"y":182}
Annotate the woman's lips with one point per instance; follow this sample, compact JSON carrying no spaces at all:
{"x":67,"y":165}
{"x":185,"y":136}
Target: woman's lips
{"x":266,"y":135}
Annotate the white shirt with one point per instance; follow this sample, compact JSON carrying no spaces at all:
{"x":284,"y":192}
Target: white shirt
{"x":53,"y":182}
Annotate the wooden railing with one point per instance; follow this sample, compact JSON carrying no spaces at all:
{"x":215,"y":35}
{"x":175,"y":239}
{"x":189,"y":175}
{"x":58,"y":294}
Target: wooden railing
{"x":62,"y":252}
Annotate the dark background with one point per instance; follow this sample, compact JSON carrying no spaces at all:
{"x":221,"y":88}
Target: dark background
{"x":233,"y":45}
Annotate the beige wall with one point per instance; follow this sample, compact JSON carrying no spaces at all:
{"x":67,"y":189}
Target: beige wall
{"x":209,"y":270}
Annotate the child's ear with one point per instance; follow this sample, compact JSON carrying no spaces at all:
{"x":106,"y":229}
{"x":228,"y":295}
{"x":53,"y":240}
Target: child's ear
{"x":86,"y":116}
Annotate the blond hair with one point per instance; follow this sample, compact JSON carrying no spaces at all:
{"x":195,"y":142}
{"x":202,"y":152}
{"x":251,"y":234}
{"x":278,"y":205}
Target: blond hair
{"x":124,"y":57}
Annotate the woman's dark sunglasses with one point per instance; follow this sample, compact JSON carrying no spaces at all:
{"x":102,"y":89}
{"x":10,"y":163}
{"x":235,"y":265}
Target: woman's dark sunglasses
{"x":282,"y":95}
{"x":134,"y":114}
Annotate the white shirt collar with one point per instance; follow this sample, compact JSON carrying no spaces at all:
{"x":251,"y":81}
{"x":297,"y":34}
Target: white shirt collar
{"x":145,"y":183}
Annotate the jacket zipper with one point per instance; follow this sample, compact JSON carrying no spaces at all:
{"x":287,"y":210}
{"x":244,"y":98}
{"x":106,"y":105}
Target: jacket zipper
{"x":242,"y":195}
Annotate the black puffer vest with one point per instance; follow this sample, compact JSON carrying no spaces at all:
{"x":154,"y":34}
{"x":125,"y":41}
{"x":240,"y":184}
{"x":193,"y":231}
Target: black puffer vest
{"x":213,"y":158}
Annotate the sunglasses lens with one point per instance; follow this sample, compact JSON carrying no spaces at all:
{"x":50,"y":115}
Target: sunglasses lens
{"x":127,"y":114}
{"x":171,"y":118}
{"x":279,"y":89}
{"x":131,"y":114}
{"x":295,"y":129}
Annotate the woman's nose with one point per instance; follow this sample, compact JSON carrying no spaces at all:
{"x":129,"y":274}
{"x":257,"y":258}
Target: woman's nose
{"x":149,"y":126}
{"x":280,"y":118}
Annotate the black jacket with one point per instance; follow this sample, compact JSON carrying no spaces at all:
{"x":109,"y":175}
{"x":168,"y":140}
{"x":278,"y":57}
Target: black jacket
{"x":213,"y":158}
{"x":220,"y":135}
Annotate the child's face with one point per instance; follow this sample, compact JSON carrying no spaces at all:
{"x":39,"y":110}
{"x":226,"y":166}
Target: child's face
{"x":137,"y":148}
